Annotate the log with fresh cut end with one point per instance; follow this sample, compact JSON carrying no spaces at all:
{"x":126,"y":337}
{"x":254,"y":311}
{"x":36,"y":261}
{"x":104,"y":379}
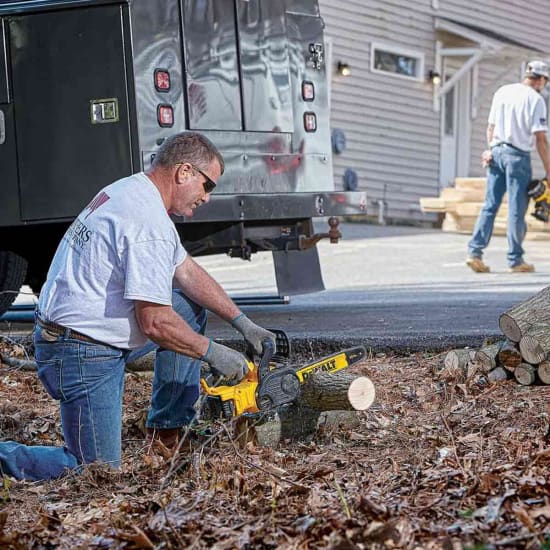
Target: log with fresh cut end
{"x":525,"y":374}
{"x":535,"y":344}
{"x":342,"y":391}
{"x":515,"y":322}
{"x":457,"y":359}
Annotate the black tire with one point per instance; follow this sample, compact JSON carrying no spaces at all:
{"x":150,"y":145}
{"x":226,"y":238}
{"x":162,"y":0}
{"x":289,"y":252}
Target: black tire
{"x":13,"y":269}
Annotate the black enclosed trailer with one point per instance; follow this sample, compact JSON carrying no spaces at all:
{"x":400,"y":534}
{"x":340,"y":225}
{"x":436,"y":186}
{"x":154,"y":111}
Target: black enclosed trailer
{"x":89,"y":89}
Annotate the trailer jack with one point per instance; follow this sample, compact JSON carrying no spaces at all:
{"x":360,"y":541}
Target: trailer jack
{"x":333,"y":234}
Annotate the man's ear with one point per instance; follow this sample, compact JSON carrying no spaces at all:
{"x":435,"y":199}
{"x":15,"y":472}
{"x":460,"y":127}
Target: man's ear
{"x":181,"y":175}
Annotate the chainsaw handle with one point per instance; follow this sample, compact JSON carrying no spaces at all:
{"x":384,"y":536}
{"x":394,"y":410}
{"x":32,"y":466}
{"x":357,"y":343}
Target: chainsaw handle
{"x":268,"y":350}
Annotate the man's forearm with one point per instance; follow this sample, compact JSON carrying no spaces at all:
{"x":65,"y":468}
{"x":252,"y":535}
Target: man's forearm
{"x":165,"y":327}
{"x":203,"y":289}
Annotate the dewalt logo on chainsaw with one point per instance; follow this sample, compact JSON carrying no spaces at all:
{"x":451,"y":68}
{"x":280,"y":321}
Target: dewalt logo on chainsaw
{"x":333,"y":363}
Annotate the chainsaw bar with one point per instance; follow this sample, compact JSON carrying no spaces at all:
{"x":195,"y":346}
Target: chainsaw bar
{"x":332,"y":363}
{"x":281,"y":384}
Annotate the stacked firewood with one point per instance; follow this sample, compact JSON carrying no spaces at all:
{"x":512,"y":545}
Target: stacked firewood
{"x":462,"y":204}
{"x":524,"y":355}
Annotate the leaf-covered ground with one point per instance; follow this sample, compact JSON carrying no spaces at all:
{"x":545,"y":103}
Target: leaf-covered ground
{"x":434,"y":463}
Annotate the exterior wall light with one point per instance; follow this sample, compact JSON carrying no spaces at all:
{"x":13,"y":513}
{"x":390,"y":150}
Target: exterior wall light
{"x":435,"y":78}
{"x":343,"y":69}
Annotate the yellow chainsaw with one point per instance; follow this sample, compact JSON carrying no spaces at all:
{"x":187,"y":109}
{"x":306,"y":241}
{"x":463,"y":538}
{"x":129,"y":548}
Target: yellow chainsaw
{"x":539,"y":191}
{"x":271,"y":381}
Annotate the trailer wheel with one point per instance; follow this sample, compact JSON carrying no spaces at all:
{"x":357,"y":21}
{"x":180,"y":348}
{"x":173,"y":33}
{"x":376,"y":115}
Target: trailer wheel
{"x":13,"y":269}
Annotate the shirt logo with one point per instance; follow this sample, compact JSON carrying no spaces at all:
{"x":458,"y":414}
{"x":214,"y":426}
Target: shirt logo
{"x":542,"y":120}
{"x":100,"y":199}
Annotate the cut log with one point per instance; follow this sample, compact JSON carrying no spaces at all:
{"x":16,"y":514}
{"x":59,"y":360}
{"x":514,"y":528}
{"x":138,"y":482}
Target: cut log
{"x":498,"y":375}
{"x":457,"y":359}
{"x":525,"y":374}
{"x":534,"y":311}
{"x":457,"y":365}
{"x":544,"y":372}
{"x":535,"y":344}
{"x":487,"y":357}
{"x":341,"y":391}
{"x":509,"y":355}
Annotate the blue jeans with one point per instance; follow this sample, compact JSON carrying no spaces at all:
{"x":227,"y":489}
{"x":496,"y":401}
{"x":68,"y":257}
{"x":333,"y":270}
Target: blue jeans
{"x":88,"y":381}
{"x":510,"y":171}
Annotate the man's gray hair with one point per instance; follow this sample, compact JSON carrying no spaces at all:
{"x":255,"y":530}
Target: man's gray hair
{"x":190,"y":147}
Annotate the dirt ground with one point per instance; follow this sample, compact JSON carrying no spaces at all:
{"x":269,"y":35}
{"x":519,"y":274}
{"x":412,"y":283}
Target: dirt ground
{"x":434,"y":463}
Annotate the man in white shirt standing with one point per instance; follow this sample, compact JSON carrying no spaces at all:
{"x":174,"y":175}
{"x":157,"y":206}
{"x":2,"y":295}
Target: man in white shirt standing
{"x":517,"y":121}
{"x":121,"y":284}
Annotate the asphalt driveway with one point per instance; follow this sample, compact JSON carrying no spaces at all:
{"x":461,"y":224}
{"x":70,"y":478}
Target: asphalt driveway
{"x":392,"y":287}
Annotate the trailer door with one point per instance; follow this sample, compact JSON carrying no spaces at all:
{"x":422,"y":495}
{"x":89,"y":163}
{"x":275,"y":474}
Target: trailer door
{"x":9,"y":211}
{"x":71,"y":112}
{"x":211,"y":65}
{"x":263,"y":46}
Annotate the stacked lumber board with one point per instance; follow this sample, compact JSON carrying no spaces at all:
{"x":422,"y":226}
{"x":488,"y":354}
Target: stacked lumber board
{"x":462,"y":203}
{"x":525,"y":353}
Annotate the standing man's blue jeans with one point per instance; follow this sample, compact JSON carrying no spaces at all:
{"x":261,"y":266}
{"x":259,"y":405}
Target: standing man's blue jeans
{"x":510,"y":171}
{"x":88,"y":381}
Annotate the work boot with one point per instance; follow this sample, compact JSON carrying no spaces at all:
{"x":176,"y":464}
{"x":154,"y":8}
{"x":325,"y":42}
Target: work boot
{"x":522,"y":268}
{"x":477,"y":265}
{"x":169,"y":437}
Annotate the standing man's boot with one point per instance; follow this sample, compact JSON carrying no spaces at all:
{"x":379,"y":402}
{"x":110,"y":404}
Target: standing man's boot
{"x":476,"y":264}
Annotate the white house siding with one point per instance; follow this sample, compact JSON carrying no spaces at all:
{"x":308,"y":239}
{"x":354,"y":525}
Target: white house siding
{"x":392,"y":130}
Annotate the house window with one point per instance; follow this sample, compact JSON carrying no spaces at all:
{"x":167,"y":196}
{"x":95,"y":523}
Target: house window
{"x":397,"y":61}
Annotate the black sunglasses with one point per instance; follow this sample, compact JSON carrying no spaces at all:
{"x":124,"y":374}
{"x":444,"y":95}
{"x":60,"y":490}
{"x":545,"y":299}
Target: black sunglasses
{"x":209,"y":184}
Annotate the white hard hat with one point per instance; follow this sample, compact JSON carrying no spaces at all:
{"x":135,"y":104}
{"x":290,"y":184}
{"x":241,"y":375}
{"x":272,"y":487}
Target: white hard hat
{"x":538,"y":68}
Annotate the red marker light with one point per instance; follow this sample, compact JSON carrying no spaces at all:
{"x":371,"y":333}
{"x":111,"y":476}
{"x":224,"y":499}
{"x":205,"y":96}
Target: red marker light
{"x":165,"y":116}
{"x":162,"y":80}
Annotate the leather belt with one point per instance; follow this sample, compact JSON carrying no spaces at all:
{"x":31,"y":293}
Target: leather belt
{"x":510,"y":145}
{"x":64,"y":331}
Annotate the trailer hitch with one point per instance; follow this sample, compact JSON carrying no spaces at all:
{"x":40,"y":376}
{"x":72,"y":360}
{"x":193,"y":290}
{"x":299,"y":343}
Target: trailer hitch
{"x":244,"y":252}
{"x":333,"y":234}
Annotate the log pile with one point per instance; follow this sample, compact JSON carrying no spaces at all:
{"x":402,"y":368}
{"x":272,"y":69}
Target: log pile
{"x":462,"y":203}
{"x":524,"y":355}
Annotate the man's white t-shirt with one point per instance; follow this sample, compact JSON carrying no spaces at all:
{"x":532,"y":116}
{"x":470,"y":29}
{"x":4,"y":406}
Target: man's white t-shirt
{"x":517,"y":112}
{"x":122,"y":247}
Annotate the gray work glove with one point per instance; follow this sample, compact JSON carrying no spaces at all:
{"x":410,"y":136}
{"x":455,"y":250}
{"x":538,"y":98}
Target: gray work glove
{"x":226,"y":361}
{"x":253,"y":333}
